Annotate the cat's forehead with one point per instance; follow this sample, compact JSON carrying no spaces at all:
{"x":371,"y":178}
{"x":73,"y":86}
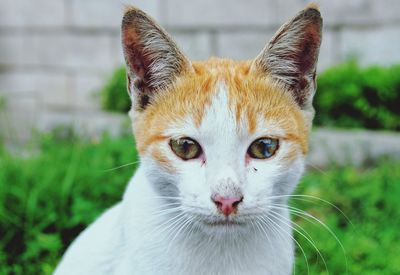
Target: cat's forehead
{"x":244,"y":103}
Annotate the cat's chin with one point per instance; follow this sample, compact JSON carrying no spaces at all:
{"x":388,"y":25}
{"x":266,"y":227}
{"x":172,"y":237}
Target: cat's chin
{"x":220,"y":227}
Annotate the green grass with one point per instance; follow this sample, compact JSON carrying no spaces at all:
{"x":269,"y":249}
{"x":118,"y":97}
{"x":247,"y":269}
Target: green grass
{"x":370,"y":200}
{"x":49,"y":197}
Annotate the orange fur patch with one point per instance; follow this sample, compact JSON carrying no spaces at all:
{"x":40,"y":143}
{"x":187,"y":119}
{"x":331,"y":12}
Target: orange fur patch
{"x":250,"y":95}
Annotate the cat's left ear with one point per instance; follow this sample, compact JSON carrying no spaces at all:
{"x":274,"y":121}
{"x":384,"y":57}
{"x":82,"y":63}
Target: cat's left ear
{"x":292,"y":54}
{"x":153,"y":60}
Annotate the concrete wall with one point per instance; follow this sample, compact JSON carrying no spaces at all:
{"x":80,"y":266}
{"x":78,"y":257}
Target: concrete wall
{"x":56,"y":54}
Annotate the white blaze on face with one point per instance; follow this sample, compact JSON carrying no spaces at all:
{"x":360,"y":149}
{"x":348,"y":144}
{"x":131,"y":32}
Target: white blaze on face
{"x":223,"y":146}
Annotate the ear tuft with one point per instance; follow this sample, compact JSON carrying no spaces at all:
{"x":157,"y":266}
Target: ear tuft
{"x":313,"y":5}
{"x":292,"y":54}
{"x":152,"y":57}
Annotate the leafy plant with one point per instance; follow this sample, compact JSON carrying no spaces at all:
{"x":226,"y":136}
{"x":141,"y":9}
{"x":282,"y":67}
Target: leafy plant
{"x":351,"y":96}
{"x":114,"y":96}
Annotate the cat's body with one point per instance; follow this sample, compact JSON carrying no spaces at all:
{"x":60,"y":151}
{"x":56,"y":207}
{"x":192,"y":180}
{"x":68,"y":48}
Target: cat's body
{"x":222,"y":145}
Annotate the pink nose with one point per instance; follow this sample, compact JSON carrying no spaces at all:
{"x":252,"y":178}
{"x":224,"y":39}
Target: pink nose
{"x":227,"y":205}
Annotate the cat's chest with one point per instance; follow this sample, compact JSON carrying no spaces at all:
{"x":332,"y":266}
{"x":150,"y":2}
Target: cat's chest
{"x":257,"y":266}
{"x":203,"y":257}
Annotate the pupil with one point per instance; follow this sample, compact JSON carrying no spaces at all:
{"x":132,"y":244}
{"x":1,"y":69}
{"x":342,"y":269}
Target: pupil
{"x":185,"y":146}
{"x":264,"y":148}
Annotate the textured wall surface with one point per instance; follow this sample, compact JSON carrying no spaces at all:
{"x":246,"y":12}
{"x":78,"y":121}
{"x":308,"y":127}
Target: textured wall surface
{"x":56,"y":54}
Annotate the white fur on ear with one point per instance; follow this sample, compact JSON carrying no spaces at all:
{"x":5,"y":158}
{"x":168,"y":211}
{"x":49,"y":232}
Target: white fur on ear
{"x":292,"y":54}
{"x":152,"y":57}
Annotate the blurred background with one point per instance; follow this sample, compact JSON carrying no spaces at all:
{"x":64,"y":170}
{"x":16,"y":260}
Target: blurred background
{"x":66,"y":151}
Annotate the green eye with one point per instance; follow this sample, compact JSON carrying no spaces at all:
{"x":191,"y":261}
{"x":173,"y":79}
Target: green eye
{"x":263,"y":148}
{"x":185,"y":148}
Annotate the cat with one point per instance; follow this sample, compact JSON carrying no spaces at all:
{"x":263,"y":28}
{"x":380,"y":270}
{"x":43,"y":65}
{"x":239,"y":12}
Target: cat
{"x":222,"y":145}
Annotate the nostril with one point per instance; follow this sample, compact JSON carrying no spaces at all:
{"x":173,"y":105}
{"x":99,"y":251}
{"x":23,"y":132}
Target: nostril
{"x":217,"y":203}
{"x":236,"y":203}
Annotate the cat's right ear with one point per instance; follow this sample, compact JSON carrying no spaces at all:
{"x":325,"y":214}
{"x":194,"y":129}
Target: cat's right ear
{"x":292,"y":54}
{"x":153,"y":60}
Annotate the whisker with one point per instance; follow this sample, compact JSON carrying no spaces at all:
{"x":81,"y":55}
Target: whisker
{"x":165,"y":211}
{"x":167,"y":224}
{"x":167,"y":231}
{"x":121,"y":166}
{"x":310,"y":199}
{"x":312,"y":219}
{"x":178,"y":231}
{"x":316,"y":168}
{"x":276,"y":230}
{"x":166,"y":197}
{"x":191,"y":229}
{"x":309,"y":239}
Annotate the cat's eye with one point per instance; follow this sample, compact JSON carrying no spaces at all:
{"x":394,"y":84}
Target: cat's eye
{"x":263,"y":148}
{"x":186,"y":148}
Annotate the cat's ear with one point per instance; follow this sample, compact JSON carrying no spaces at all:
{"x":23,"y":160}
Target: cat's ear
{"x":153,"y":60}
{"x":292,"y":54}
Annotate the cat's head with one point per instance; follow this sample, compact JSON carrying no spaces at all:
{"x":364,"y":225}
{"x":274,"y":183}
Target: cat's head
{"x":224,"y":139}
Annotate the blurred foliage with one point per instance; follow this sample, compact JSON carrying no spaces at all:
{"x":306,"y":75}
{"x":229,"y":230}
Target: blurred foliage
{"x":48,"y":198}
{"x":52,"y":194}
{"x":3,"y":103}
{"x":114,"y":95}
{"x":370,"y":200}
{"x":348,"y":96}
{"x":353,"y":97}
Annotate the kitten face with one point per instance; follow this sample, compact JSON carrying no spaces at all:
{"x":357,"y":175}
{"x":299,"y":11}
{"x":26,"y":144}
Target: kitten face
{"x":223,"y":106}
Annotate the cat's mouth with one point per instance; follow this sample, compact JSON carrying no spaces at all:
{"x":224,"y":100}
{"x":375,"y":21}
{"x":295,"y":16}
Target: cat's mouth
{"x":223,"y":222}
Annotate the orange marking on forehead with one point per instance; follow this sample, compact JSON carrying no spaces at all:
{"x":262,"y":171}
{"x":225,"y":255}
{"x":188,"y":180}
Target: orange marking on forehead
{"x":251,"y":96}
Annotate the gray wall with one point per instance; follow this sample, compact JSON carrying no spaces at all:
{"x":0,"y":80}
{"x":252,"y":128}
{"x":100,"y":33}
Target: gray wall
{"x":56,"y":54}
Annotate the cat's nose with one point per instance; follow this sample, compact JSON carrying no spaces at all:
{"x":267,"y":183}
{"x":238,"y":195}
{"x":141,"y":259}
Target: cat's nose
{"x":227,"y":205}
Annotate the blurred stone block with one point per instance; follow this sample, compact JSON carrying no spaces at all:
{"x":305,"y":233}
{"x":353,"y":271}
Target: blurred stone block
{"x":210,"y":13}
{"x":242,"y":45}
{"x":351,"y":147}
{"x":386,"y":10}
{"x":106,"y":13}
{"x":96,"y":123}
{"x":61,"y":50}
{"x":329,"y":50}
{"x":32,"y":13}
{"x":339,"y":12}
{"x":372,"y":46}
{"x":81,"y":51}
{"x":116,"y":48}
{"x":196,"y":45}
{"x":49,"y":119}
{"x":89,"y":124}
{"x":86,"y":91}
{"x":11,"y":49}
{"x":47,"y":88}
{"x":19,"y":118}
